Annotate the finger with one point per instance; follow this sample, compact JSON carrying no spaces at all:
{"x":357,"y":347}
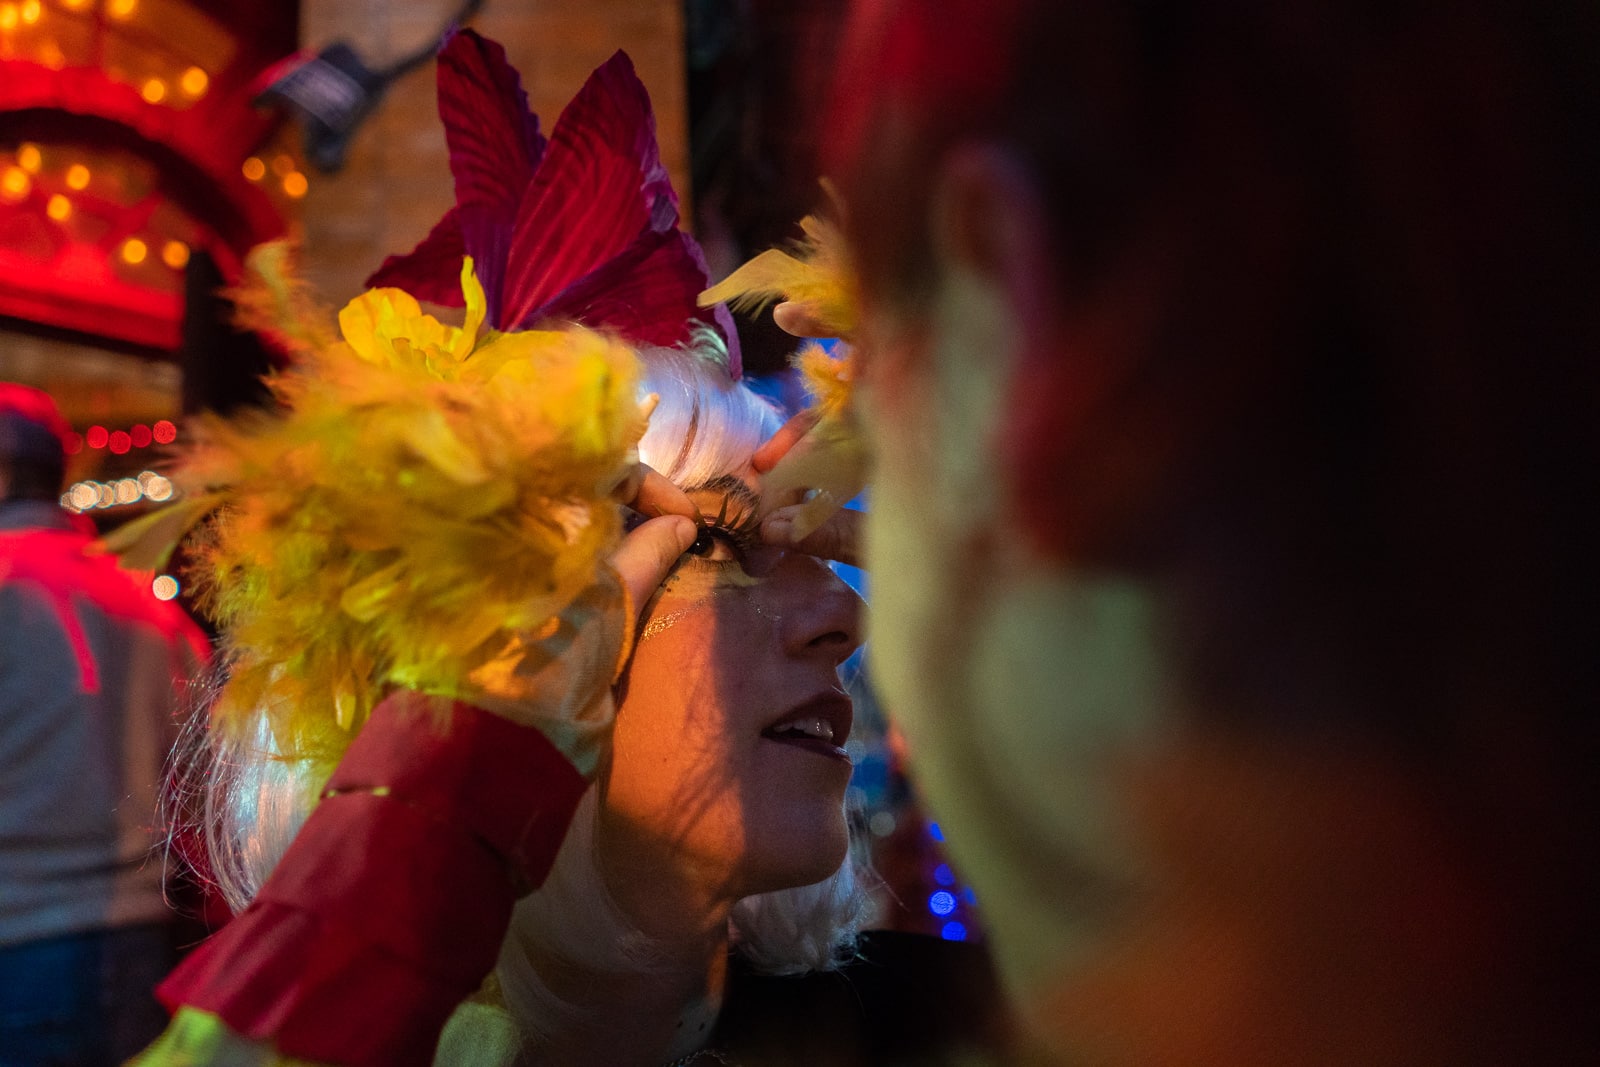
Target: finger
{"x":800,"y":320}
{"x":777,"y":446}
{"x":648,"y":553}
{"x":654,"y":495}
{"x":838,"y":538}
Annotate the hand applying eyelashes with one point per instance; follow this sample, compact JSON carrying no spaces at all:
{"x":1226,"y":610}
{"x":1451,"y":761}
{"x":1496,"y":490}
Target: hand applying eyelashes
{"x":720,"y":539}
{"x":727,"y":539}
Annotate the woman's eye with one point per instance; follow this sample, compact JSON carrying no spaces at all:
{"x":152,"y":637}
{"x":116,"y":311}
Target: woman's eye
{"x":714,"y":546}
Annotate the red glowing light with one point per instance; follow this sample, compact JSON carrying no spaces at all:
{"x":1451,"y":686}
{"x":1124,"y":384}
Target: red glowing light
{"x":140,"y":435}
{"x":164,"y":432}
{"x":120,"y":442}
{"x":96,"y":437}
{"x":74,"y":443}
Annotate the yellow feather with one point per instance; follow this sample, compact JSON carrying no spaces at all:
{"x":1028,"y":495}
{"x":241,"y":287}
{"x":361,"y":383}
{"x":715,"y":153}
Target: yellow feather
{"x":817,"y":274}
{"x":833,"y":458}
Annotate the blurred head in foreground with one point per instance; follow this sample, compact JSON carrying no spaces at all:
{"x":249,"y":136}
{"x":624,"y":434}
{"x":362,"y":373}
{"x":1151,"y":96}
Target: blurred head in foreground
{"x":1231,"y":374}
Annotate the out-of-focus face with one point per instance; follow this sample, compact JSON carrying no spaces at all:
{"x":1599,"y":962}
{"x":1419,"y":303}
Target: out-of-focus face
{"x":1024,"y":689}
{"x":729,"y":737}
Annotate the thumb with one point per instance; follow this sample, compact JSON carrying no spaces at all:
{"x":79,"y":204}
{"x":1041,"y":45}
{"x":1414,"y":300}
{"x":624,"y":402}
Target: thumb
{"x":648,"y":553}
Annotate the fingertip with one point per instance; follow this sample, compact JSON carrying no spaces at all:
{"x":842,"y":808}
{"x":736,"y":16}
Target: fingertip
{"x":778,"y":529}
{"x":683,"y":531}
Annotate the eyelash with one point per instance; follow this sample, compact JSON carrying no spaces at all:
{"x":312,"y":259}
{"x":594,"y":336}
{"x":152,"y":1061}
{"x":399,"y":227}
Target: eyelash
{"x":743,"y":533}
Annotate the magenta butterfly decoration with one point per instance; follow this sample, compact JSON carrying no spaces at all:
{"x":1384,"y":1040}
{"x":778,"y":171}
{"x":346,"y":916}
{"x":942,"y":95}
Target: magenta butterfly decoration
{"x":582,"y":227}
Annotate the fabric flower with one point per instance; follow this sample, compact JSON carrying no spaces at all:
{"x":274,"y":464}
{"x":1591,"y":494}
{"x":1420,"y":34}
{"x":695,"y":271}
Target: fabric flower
{"x":582,"y":227}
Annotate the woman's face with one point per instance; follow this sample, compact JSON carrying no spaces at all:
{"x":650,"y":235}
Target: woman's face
{"x":728,"y":757}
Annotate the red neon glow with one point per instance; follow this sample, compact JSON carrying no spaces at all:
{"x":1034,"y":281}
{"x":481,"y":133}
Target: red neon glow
{"x":164,"y":432}
{"x":74,"y":443}
{"x":96,"y":437}
{"x":120,"y":442}
{"x":140,"y":435}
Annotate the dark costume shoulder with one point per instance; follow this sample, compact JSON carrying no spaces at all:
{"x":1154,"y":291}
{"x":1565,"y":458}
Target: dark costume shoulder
{"x":905,"y":999}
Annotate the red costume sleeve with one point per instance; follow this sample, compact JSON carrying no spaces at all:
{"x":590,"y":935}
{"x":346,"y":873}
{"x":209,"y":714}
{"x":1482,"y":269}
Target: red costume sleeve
{"x":389,"y":907}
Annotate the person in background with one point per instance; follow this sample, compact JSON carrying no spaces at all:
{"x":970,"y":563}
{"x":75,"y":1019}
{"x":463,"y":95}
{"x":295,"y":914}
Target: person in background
{"x":1230,"y":377}
{"x":92,"y":673}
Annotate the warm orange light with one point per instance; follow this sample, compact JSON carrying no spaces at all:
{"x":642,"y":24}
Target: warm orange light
{"x":121,"y":9}
{"x":134,"y":250}
{"x":8,"y":16}
{"x":175,"y":254}
{"x":59,"y":208}
{"x":283,"y":164}
{"x":31,"y":11}
{"x":29,"y":158}
{"x":75,"y":4}
{"x":194,"y":81}
{"x":254,"y":169}
{"x":14,"y":185}
{"x":295,"y":184}
{"x":154,"y":91}
{"x":77,"y":177}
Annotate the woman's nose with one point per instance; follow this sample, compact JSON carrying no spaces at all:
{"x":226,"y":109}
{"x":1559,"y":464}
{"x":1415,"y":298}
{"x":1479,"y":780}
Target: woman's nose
{"x":817,"y":613}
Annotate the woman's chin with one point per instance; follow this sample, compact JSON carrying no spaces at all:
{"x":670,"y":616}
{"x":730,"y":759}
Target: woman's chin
{"x":799,"y":860}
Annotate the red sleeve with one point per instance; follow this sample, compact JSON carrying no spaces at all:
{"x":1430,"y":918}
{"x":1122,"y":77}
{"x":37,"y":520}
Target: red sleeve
{"x":390,"y":905}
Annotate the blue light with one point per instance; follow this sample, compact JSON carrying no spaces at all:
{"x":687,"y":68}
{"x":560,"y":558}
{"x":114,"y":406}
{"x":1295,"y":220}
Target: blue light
{"x":944,"y":875}
{"x":934,"y":831}
{"x":969,"y":896}
{"x":953,"y":931}
{"x":942,"y":903}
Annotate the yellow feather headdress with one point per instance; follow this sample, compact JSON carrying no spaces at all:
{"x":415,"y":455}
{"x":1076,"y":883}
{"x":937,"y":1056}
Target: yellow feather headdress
{"x":427,"y":493}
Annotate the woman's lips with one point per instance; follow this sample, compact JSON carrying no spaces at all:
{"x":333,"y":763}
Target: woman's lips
{"x":811,"y":744}
{"x":820,"y":724}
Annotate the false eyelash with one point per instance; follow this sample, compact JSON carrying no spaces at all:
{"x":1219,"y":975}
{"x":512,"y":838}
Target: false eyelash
{"x":744,"y":531}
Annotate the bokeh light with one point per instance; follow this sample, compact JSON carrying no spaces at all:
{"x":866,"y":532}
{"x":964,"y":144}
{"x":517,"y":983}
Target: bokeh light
{"x":14,"y":185}
{"x":194,"y":82}
{"x":165,"y":587}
